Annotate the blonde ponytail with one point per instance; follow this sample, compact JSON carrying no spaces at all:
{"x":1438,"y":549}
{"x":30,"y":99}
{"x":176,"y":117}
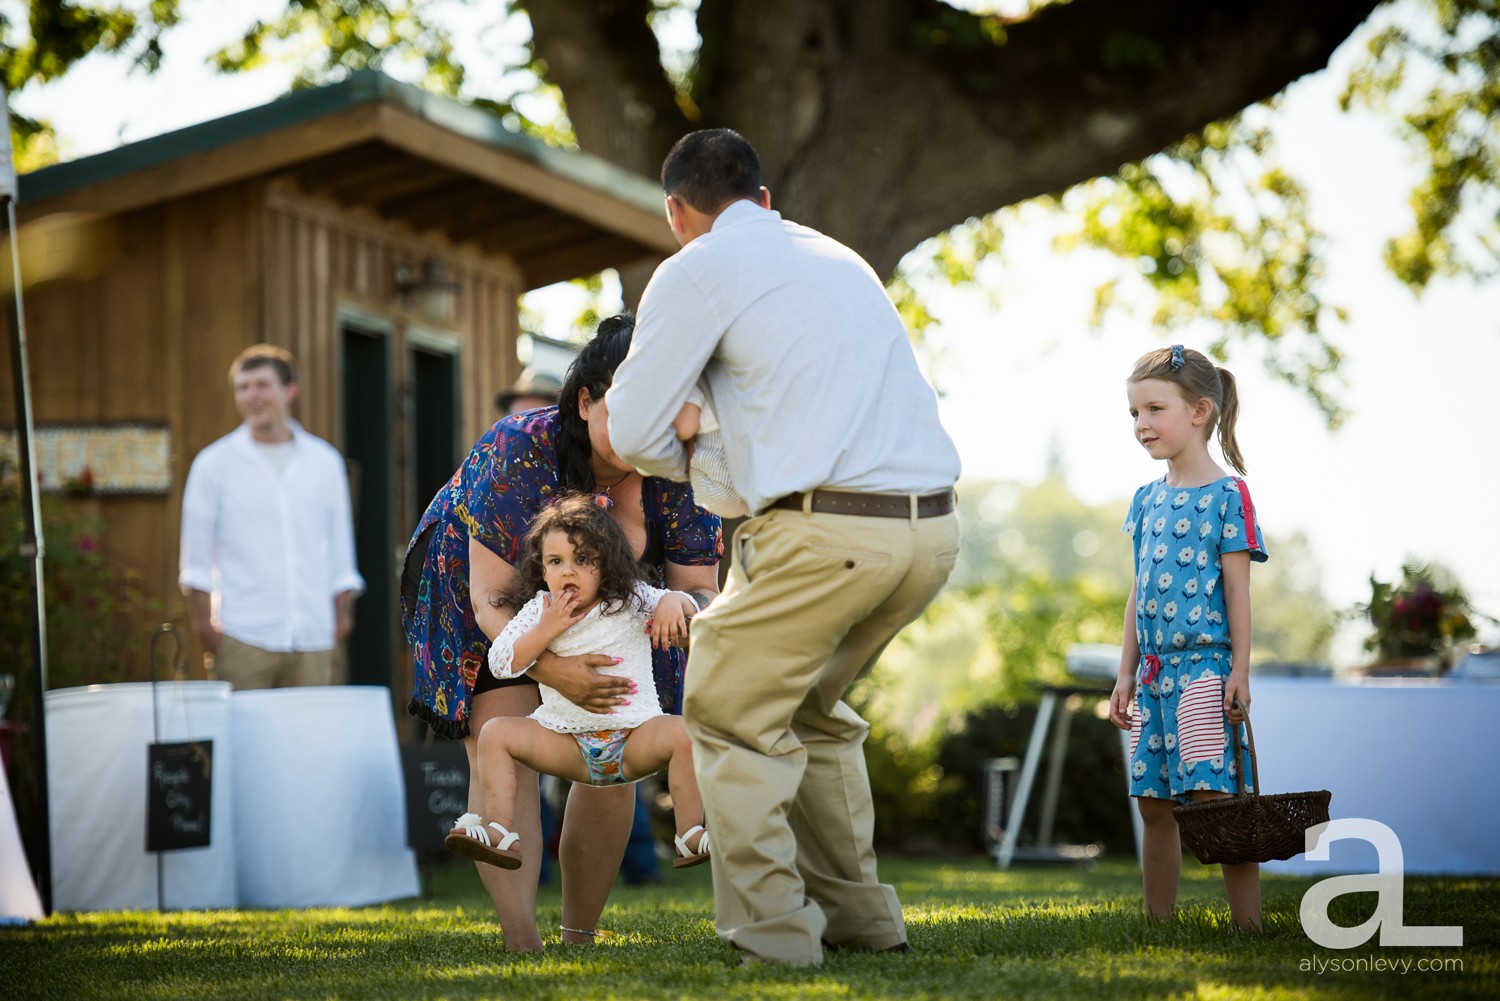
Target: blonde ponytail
{"x":1229,"y":412}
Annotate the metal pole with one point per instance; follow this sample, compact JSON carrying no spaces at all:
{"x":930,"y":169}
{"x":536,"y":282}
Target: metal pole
{"x":1058,"y":752}
{"x":1007,"y":850}
{"x":33,"y":547}
{"x":33,"y":550}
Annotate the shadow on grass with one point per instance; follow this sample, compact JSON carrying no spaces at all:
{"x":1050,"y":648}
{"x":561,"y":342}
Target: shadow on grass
{"x":978,"y":933}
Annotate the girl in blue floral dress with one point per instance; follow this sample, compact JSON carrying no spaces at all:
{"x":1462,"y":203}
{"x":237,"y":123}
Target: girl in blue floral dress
{"x":1186,"y":657}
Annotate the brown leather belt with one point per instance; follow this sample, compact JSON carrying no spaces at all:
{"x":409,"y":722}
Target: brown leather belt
{"x":870,"y":505}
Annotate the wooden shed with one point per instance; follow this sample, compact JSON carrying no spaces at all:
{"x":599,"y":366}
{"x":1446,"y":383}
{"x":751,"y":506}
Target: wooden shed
{"x":381,"y":233}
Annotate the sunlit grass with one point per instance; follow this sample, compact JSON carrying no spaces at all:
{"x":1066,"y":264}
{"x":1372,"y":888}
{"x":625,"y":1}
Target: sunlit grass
{"x":978,"y":933}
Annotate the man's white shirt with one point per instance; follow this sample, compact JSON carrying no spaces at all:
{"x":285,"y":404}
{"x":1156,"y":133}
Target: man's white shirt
{"x":810,"y":369}
{"x":274,"y":546}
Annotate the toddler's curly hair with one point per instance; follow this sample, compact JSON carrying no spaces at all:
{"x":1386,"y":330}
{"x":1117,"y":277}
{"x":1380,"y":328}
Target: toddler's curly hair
{"x":594,"y":534}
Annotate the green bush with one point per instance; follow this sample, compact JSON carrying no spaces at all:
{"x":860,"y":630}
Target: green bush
{"x":97,"y":612}
{"x":97,"y":618}
{"x":1039,"y":571}
{"x":1092,"y":806}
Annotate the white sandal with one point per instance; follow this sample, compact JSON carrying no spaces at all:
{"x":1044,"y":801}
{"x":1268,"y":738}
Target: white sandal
{"x":470,"y":839}
{"x":686,"y":856}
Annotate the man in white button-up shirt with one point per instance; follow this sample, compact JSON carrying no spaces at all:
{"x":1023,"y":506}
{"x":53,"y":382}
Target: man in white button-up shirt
{"x":267,"y":556}
{"x":832,"y":437}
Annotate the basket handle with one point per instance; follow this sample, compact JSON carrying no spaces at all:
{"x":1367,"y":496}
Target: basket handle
{"x":1250,"y":737}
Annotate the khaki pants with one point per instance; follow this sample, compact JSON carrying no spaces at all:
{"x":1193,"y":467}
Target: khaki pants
{"x":811,"y":601}
{"x":247,"y":667}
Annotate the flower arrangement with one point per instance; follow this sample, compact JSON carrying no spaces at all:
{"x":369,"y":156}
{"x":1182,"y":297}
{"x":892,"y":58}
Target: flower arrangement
{"x":1416,"y":617}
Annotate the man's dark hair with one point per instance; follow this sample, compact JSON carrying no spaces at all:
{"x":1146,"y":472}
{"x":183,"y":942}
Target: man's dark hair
{"x":266,"y":356}
{"x":710,"y":168}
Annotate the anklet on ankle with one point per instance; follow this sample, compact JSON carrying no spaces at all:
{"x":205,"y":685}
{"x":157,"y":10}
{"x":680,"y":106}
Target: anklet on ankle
{"x":579,"y":931}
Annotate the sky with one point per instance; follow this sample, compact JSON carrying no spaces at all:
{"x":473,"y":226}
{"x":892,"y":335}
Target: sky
{"x":1409,"y":475}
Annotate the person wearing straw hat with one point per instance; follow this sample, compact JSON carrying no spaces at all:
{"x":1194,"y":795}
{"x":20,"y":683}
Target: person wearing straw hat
{"x":532,"y":390}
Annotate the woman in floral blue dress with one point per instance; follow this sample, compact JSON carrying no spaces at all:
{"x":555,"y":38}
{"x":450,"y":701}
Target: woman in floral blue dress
{"x":459,"y":573}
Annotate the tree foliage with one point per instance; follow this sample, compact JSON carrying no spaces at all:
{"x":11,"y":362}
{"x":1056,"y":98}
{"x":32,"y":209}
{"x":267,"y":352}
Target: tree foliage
{"x":1451,"y":59}
{"x":57,"y":35}
{"x":1041,"y":570}
{"x":919,"y":124}
{"x":1218,"y":231}
{"x":328,"y":38}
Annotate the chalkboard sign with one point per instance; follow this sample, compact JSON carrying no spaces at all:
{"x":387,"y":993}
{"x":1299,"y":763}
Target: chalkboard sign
{"x":179,"y":788}
{"x":437,"y":791}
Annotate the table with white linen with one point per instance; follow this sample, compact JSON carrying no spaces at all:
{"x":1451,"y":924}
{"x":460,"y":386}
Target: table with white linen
{"x":19,"y":900}
{"x":96,"y":775}
{"x":1411,"y":754}
{"x":308,"y":801}
{"x":319,"y":799}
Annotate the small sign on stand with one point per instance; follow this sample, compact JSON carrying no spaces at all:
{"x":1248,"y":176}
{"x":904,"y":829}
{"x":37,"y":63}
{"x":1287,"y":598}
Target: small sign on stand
{"x":179,"y":795}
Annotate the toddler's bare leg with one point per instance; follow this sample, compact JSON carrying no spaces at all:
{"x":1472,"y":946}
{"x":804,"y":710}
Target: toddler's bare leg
{"x":510,"y":741}
{"x":664,"y":741}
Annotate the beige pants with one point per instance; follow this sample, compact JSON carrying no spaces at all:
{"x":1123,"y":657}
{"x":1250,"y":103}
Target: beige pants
{"x":247,"y":667}
{"x":811,"y":601}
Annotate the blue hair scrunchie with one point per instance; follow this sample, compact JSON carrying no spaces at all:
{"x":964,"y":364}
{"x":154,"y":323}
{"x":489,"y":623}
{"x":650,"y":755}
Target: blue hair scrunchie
{"x":1177,"y":360}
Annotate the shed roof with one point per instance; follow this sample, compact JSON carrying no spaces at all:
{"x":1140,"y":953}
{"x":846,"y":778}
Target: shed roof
{"x":406,"y":154}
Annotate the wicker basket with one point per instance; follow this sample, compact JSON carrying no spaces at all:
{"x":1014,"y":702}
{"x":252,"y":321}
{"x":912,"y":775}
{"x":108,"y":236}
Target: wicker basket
{"x":1250,"y":827}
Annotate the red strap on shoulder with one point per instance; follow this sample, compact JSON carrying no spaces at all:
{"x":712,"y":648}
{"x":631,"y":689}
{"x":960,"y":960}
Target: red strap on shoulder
{"x":1249,"y":513}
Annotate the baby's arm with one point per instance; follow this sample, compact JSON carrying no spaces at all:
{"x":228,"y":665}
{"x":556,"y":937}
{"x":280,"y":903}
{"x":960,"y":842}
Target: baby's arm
{"x":690,"y":417}
{"x":686,"y":424}
{"x":525,"y":637}
{"x":670,"y":611}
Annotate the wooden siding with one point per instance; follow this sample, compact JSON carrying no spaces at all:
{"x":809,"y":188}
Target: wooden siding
{"x":149,"y":340}
{"x":197,"y":280}
{"x":320,"y":257}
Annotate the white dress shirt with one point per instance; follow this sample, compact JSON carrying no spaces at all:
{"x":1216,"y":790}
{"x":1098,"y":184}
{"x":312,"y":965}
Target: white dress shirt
{"x":274,"y":546}
{"x":812,"y":376}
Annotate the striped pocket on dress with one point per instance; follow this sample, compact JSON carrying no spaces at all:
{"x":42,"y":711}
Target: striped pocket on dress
{"x":1200,"y":719}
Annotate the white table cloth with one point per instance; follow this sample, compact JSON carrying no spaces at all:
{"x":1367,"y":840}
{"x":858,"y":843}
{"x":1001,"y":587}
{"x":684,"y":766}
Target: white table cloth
{"x":19,"y":900}
{"x":319,"y":799}
{"x":1412,"y":754}
{"x":96,"y":769}
{"x":308,"y":802}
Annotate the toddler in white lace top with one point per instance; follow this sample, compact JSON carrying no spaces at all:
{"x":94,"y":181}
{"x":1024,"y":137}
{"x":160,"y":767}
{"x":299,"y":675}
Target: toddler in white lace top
{"x":587,"y":597}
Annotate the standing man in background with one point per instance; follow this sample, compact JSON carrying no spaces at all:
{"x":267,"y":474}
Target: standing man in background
{"x":267,"y":555}
{"x":832,"y":437}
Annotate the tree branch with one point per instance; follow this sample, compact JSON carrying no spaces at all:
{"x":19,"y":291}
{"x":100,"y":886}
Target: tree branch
{"x":605,"y":58}
{"x":885,"y":123}
{"x":1071,"y":94}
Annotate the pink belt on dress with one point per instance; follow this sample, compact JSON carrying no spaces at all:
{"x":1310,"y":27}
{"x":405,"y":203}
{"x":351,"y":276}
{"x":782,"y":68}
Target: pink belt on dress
{"x":1153,"y":668}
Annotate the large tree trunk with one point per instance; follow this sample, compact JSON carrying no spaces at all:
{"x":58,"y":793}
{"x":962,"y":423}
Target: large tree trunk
{"x":883,"y":122}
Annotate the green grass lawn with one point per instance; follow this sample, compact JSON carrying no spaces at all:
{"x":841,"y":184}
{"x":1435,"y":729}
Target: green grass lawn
{"x":978,"y":933}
